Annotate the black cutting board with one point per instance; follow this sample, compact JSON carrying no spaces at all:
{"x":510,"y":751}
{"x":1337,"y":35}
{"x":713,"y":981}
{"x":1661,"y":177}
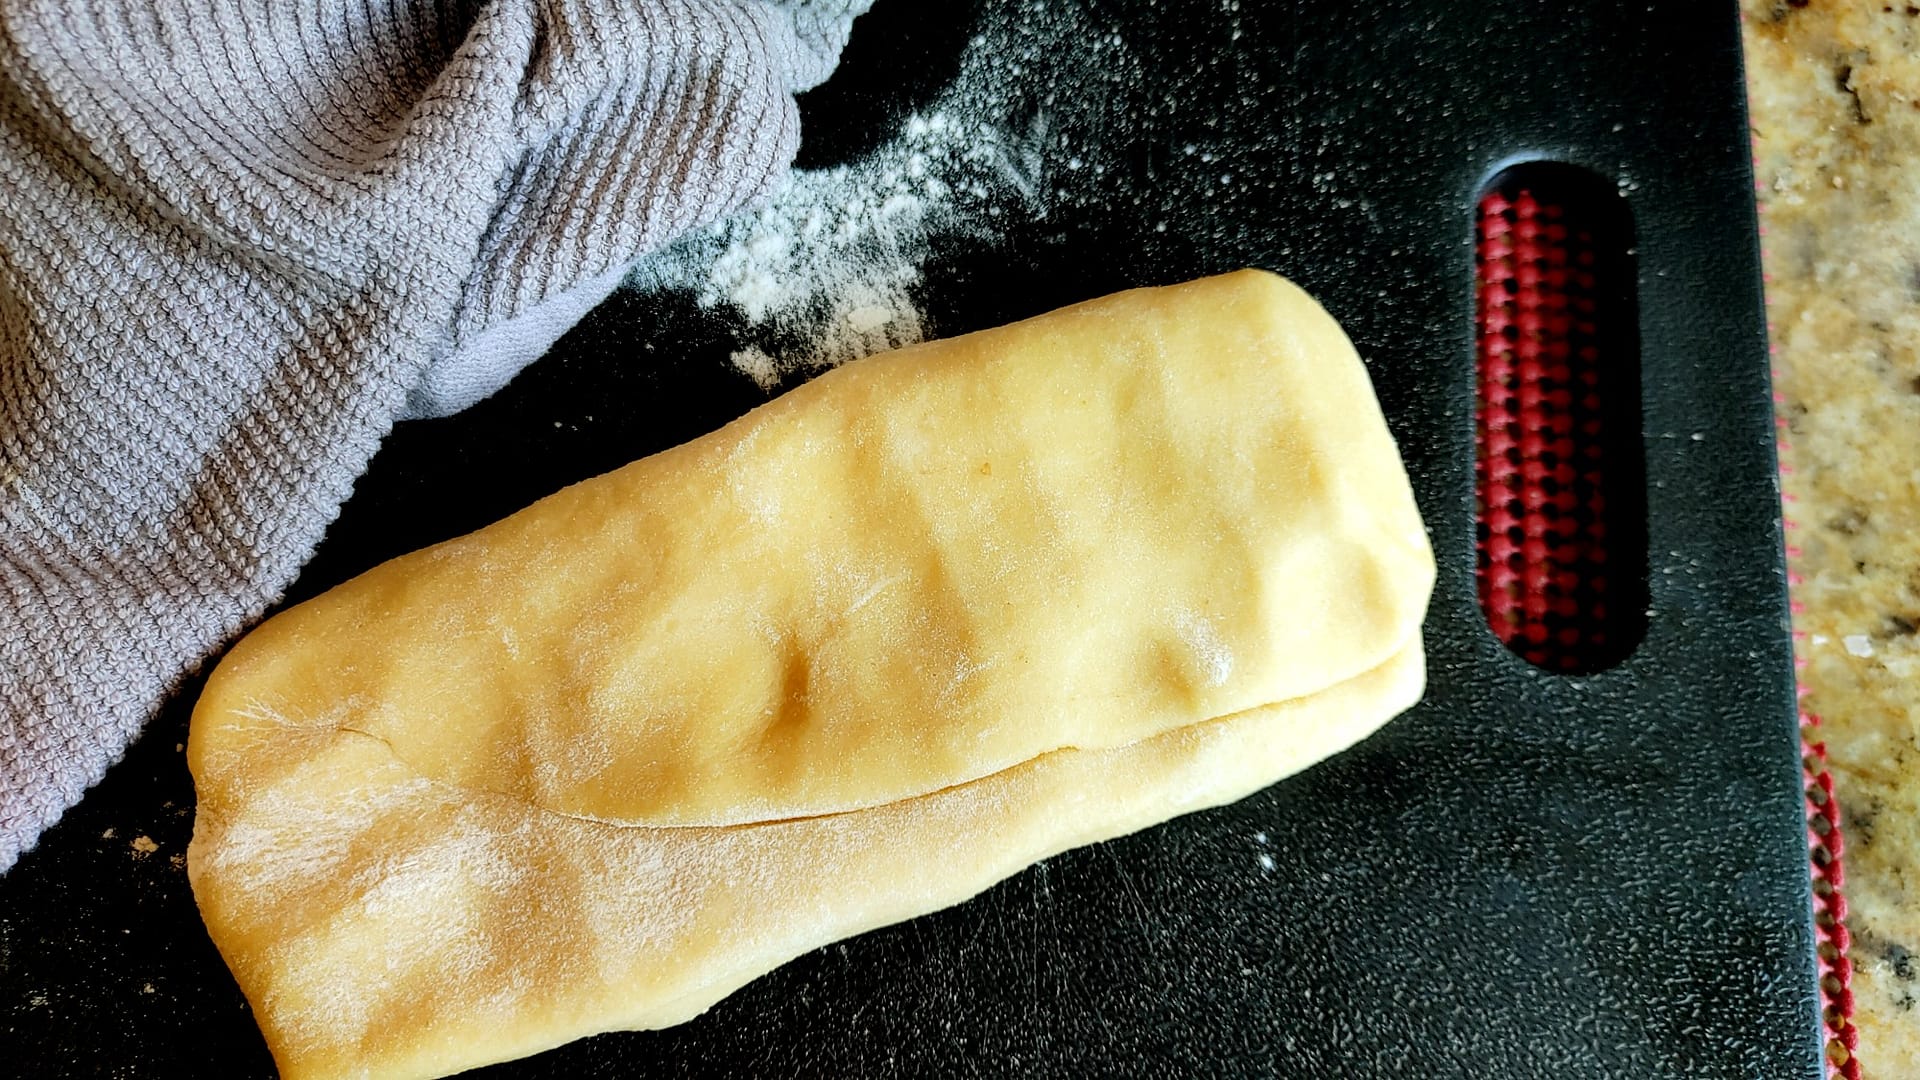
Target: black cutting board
{"x":1527,"y":875}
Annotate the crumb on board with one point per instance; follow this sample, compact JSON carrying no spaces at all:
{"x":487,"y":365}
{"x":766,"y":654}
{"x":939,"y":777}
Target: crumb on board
{"x":143,"y":846}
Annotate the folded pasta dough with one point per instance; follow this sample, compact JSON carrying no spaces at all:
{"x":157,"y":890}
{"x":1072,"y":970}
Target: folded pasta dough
{"x":854,"y":657}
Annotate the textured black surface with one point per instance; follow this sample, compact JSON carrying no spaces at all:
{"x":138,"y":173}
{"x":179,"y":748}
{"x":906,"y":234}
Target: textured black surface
{"x":1526,"y":876}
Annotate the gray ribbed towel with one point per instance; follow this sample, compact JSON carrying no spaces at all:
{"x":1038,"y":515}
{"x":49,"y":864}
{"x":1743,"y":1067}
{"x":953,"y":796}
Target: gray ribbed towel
{"x":239,"y":238}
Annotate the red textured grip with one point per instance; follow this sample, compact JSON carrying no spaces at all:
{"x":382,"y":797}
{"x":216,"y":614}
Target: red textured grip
{"x":1825,"y":842}
{"x":1546,"y":545}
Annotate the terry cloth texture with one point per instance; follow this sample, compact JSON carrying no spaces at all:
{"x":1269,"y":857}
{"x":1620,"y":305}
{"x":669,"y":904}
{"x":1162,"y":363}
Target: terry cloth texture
{"x":239,"y":238}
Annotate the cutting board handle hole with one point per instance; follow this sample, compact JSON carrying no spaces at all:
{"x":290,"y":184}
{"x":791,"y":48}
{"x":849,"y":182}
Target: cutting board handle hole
{"x":1560,"y":492}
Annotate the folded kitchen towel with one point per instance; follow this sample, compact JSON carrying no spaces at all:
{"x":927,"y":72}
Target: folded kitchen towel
{"x":239,"y":238}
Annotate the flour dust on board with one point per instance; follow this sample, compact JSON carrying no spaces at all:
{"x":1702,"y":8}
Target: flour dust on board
{"x":825,"y":270}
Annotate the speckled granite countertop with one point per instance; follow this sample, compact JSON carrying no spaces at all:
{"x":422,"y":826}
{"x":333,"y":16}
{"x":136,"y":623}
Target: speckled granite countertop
{"x":1835,"y":88}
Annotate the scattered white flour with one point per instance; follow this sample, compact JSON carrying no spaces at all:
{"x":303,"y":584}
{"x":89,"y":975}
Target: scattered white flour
{"x":825,"y":271}
{"x":764,"y":370}
{"x":1212,"y":654}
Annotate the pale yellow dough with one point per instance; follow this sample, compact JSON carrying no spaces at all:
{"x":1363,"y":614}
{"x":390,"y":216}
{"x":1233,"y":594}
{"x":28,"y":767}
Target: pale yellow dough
{"x":854,"y":657}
